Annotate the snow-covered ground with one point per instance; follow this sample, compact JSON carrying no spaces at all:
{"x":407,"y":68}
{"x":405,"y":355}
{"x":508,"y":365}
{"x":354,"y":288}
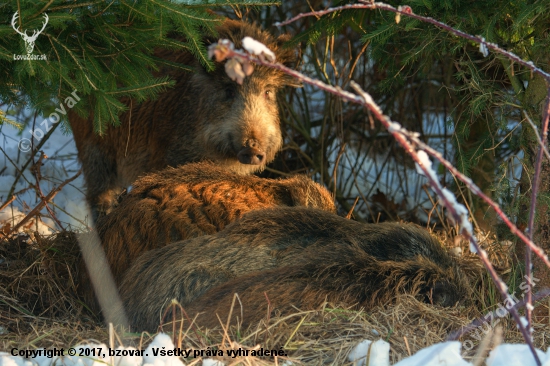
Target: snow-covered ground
{"x":366,"y":353}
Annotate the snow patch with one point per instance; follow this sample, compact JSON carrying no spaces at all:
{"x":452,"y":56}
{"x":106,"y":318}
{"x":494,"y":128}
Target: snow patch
{"x":371,"y":353}
{"x":257,"y":48}
{"x":447,"y":353}
{"x":515,"y":355}
{"x":161,"y":341}
{"x":483,"y":48}
{"x":462,"y":211}
{"x":211,"y":362}
{"x":427,"y":164}
{"x":11,"y":217}
{"x":394,"y":127}
{"x":84,"y":361}
{"x":8,"y":360}
{"x":128,"y":360}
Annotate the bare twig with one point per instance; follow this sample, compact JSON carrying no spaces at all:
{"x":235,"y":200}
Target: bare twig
{"x":478,"y":192}
{"x":30,"y":159}
{"x":350,"y":97}
{"x":479,"y":321}
{"x":38,"y":175}
{"x":534,"y":194}
{"x":446,"y":198}
{"x":410,"y":142}
{"x":337,"y":162}
{"x":407,"y":11}
{"x":348,"y":216}
{"x":5,"y":204}
{"x":43,"y":202}
{"x":535,"y":130}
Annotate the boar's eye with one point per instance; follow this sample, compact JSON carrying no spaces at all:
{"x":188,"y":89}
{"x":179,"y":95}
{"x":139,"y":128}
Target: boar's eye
{"x":269,"y":94}
{"x":230,"y":93}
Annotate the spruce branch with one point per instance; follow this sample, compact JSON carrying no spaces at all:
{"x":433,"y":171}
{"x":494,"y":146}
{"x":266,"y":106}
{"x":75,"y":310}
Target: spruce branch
{"x":76,"y":60}
{"x":77,"y":5}
{"x":178,"y":10}
{"x":44,"y":8}
{"x":127,"y":91}
{"x":407,"y":11}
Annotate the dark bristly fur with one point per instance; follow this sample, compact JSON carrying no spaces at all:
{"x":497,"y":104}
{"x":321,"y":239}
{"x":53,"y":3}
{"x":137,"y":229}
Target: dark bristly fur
{"x":299,"y":257}
{"x":190,"y":201}
{"x":206,"y":116}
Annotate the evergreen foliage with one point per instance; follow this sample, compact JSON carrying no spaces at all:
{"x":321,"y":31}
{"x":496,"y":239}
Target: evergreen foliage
{"x":419,"y":68}
{"x":101,"y":49}
{"x":104,"y":50}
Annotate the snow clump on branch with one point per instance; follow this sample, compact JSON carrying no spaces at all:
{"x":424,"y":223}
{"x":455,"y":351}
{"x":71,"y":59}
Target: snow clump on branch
{"x":448,"y":196}
{"x":237,"y":67}
{"x":483,"y":48}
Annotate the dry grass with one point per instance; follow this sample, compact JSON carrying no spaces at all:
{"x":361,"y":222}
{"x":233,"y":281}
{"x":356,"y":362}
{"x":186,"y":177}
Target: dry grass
{"x":38,"y":280}
{"x":39,"y":308}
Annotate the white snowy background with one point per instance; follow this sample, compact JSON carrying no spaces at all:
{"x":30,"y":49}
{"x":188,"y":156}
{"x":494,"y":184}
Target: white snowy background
{"x":366,"y":353}
{"x":69,"y":204}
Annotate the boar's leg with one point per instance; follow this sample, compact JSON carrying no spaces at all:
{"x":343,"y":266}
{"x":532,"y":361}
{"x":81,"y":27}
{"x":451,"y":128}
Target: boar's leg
{"x":101,"y":180}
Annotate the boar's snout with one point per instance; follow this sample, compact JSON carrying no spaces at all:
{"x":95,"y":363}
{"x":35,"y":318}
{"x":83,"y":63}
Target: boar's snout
{"x":251,"y":154}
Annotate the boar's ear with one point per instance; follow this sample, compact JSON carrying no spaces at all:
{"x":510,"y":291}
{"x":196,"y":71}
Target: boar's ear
{"x":288,"y":57}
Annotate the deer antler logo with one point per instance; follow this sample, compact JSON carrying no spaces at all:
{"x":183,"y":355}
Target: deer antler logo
{"x":29,"y":40}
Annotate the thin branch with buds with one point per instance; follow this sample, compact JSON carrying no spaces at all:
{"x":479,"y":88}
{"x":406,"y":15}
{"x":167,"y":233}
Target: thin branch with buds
{"x":38,"y":175}
{"x":534,"y":194}
{"x":484,"y":48}
{"x":410,"y":142}
{"x":453,"y":209}
{"x":350,"y":97}
{"x":407,"y":11}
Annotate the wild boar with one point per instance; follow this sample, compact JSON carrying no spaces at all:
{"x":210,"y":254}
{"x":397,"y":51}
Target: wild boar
{"x":190,"y":201}
{"x":297,"y":257}
{"x":205,"y":117}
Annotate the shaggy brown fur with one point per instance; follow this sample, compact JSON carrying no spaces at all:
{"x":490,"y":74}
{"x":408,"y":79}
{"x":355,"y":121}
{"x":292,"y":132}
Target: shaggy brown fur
{"x":298,"y":257}
{"x":190,"y":201}
{"x":206,"y":116}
